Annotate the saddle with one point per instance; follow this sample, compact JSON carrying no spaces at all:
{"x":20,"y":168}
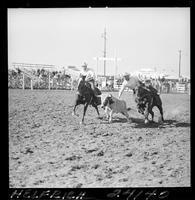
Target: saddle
{"x":96,"y":90}
{"x":81,"y":92}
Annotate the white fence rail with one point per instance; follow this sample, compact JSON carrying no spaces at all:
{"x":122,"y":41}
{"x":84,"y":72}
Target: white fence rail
{"x":181,"y":88}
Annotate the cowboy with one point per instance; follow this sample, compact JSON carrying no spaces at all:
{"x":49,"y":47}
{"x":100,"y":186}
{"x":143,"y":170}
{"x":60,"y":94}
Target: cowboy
{"x":130,"y":82}
{"x":88,"y":75}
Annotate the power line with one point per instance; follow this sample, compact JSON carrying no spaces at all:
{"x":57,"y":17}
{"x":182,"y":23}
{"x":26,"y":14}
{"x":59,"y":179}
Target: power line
{"x":104,"y":55}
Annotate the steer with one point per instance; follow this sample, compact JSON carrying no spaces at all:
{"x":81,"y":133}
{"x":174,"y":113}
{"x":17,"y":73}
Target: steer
{"x":113,"y":105}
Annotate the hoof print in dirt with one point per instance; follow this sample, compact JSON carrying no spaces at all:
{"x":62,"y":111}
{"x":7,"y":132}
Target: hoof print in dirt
{"x":160,"y":182}
{"x":90,"y":150}
{"x":79,"y":185}
{"x":154,"y":153}
{"x":95,"y":166}
{"x":123,"y":180}
{"x":73,"y":158}
{"x":28,"y":150}
{"x":106,"y":134}
{"x":82,"y":123}
{"x":101,"y":153}
{"x":129,"y":154}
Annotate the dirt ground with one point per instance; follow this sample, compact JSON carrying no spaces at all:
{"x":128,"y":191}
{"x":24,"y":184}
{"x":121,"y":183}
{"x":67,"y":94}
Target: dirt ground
{"x":49,"y":148}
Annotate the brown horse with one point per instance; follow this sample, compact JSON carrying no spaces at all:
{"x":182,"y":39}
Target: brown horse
{"x":146,"y":100}
{"x":85,"y":95}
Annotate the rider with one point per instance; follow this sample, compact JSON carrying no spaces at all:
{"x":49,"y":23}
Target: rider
{"x":130,"y":82}
{"x":88,"y":74}
{"x":89,"y":77}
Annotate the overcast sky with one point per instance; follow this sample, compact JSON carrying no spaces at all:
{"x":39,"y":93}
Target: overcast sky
{"x":141,"y":37}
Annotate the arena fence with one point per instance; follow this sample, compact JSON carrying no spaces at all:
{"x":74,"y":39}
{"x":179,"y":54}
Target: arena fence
{"x":26,"y":80}
{"x":181,"y":88}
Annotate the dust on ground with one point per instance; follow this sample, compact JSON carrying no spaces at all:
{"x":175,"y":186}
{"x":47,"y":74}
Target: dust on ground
{"x":49,"y":148}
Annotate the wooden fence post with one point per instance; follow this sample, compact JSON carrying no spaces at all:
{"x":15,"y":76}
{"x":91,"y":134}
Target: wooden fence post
{"x":23,"y":87}
{"x":31,"y":83}
{"x":49,"y":80}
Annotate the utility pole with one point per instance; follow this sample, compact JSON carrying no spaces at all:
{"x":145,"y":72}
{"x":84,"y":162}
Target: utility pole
{"x":179,"y":63}
{"x":104,"y":36}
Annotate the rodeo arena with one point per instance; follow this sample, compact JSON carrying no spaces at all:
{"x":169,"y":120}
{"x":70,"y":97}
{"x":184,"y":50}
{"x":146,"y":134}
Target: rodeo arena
{"x":61,"y":137}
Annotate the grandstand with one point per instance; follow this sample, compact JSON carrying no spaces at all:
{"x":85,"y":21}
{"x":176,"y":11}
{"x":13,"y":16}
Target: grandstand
{"x":43,"y":76}
{"x":24,"y":67}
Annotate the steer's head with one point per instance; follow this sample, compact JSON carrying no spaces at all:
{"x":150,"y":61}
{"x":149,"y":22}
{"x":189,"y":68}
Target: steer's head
{"x":107,"y":101}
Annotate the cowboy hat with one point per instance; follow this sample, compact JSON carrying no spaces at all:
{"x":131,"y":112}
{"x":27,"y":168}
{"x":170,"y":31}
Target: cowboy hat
{"x":84,"y":65}
{"x":126,"y":74}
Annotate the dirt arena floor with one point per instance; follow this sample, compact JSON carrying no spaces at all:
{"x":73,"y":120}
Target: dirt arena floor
{"x":49,"y":148}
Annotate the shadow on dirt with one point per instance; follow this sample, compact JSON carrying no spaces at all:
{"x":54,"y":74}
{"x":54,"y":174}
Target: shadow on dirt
{"x":165,"y":124}
{"x":114,"y":120}
{"x":139,"y":123}
{"x":176,"y":123}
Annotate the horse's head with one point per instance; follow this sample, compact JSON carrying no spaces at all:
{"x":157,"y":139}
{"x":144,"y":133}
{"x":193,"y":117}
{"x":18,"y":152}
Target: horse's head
{"x":140,"y":91}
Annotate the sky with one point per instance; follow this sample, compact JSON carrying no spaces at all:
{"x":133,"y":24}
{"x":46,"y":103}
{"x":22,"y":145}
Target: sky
{"x":140,"y":37}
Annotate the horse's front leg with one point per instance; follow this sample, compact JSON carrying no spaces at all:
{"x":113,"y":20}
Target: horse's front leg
{"x":84,"y":111}
{"x":95,"y":106}
{"x":74,"y":110}
{"x":76,"y":103}
{"x":146,"y":113}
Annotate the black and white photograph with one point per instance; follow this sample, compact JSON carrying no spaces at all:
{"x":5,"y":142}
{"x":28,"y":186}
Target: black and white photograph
{"x":99,"y":97}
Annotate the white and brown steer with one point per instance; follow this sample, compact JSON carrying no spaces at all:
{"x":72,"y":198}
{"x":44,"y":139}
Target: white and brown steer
{"x":113,"y":105}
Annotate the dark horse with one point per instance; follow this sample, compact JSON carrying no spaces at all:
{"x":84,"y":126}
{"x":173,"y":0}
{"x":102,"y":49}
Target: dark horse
{"x":86,"y":96}
{"x":146,"y":100}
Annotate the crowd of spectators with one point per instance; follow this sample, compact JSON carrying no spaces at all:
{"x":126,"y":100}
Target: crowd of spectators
{"x":58,"y":79}
{"x":61,"y":80}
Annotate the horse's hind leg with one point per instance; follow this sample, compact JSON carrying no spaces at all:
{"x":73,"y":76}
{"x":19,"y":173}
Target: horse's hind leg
{"x":74,"y":111}
{"x":146,"y":113}
{"x":161,"y":112}
{"x":152,"y":113}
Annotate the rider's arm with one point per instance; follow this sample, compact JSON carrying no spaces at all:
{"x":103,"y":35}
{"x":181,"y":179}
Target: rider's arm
{"x":80,"y":75}
{"x":122,"y":89}
{"x":79,"y":78}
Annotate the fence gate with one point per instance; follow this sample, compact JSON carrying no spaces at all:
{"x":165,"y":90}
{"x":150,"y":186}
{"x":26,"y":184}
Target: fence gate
{"x":181,"y":87}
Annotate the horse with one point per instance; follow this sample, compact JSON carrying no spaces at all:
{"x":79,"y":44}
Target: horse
{"x":146,"y":100}
{"x":85,"y":95}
